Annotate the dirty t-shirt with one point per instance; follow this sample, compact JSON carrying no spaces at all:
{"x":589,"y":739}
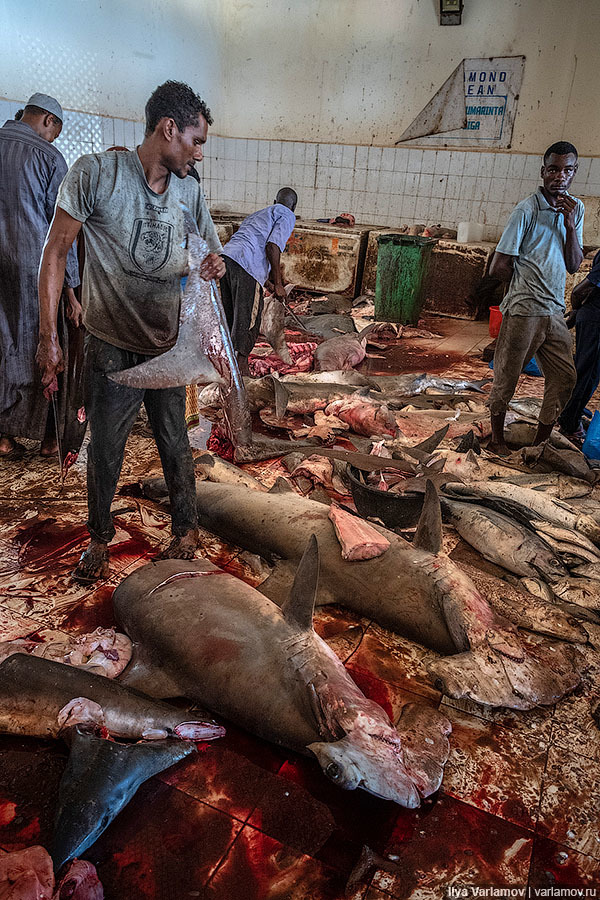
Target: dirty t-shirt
{"x":536,"y":236}
{"x":134,"y":256}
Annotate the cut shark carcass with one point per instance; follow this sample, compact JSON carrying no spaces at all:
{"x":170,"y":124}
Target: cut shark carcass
{"x":203,"y":352}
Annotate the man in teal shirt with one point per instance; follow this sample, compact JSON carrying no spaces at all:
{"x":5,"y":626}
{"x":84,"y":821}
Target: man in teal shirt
{"x":540,"y":244}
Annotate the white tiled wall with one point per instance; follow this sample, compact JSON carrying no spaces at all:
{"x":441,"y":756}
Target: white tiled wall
{"x":384,"y":186}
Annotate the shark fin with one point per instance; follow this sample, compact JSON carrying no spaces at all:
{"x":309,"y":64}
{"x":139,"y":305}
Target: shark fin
{"x":432,"y":442}
{"x":100,"y":779}
{"x":428,"y":535}
{"x":281,"y":396}
{"x":205,"y":459}
{"x":141,"y":675}
{"x":299,"y":606}
{"x":155,"y":488}
{"x":281,"y":486}
{"x":469,"y":441}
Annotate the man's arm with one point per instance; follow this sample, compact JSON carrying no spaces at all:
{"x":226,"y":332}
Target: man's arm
{"x":274,"y":257}
{"x":567,"y":205}
{"x":501,"y":266}
{"x":581,"y":293}
{"x":63,"y":231}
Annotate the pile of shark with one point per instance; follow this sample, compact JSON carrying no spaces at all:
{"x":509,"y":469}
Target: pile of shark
{"x":251,"y":655}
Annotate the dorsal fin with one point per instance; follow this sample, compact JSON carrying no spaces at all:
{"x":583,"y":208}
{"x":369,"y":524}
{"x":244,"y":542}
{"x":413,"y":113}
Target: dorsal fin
{"x":281,"y":486}
{"x":281,"y":396}
{"x":299,"y":606}
{"x":432,"y":442}
{"x":428,"y":535}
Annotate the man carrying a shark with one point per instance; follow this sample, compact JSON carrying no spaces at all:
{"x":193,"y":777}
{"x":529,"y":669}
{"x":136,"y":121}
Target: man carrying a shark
{"x":129,"y":207}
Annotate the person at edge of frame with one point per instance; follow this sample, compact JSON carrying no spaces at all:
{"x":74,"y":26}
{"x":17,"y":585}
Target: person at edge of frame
{"x":542,"y":241}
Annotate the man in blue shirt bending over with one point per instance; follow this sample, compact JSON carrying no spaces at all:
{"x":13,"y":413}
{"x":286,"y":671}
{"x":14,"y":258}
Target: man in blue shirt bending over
{"x":540,"y":244}
{"x":252,"y":260}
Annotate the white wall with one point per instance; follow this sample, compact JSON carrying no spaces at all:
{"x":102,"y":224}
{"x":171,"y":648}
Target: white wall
{"x":342,"y":71}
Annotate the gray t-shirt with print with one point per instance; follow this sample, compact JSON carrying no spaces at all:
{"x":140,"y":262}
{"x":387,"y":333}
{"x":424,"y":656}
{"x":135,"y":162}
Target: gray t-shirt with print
{"x":536,"y":236}
{"x":134,"y":253}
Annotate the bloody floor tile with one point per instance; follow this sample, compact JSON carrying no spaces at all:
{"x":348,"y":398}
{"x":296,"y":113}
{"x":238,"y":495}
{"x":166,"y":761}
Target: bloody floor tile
{"x":342,"y":629}
{"x":454,"y":843}
{"x":391,"y":697}
{"x":393,"y":659}
{"x":30,"y":774}
{"x":262,"y":753}
{"x":374,"y":894}
{"x":570,"y":804}
{"x":554,"y":865}
{"x":289,"y":813}
{"x":260,"y":868}
{"x":164,"y":844}
{"x":13,"y":625}
{"x":360,"y":818}
{"x":535,"y":725}
{"x":481,"y":768}
{"x":573,"y":728}
{"x":94,"y":611}
{"x":222,"y":778}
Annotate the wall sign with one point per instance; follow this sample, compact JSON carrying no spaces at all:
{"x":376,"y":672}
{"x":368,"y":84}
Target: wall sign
{"x":475,"y":107}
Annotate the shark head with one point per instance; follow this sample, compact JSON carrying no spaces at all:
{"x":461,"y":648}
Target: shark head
{"x":369,"y":757}
{"x":400,"y":764}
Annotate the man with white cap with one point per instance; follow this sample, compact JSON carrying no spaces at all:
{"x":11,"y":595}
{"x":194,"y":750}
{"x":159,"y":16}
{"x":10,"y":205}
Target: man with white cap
{"x":31,"y":171}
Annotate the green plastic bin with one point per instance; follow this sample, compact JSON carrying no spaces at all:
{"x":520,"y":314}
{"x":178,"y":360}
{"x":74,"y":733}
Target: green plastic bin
{"x":402,"y":262}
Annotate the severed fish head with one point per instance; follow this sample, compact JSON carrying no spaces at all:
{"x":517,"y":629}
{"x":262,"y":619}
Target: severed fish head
{"x":402,"y":764}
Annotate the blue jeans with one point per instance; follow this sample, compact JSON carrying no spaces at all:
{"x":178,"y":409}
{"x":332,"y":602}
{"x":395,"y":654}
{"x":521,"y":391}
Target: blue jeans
{"x":111,"y":412}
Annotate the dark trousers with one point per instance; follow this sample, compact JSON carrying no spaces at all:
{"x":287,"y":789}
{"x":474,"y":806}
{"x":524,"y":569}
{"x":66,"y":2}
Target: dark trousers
{"x":587,"y":364}
{"x":111,"y":412}
{"x":242,"y":299}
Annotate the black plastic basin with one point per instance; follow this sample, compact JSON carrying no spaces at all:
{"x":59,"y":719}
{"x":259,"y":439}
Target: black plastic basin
{"x":394,"y":510}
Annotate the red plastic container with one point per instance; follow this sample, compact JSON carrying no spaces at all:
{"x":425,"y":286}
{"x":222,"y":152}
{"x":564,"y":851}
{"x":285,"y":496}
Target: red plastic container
{"x":495,"y":321}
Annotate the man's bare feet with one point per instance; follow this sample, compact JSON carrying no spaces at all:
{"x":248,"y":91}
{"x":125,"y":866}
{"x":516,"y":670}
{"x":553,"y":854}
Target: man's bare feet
{"x":9,"y":449}
{"x":498,"y":449}
{"x":93,"y":563}
{"x":183,"y":547}
{"x":543,"y":433}
{"x":49,"y":447}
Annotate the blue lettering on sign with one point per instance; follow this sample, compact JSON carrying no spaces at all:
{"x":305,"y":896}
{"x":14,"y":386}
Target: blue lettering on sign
{"x":470,"y":90}
{"x":502,"y":76}
{"x":485,"y":110}
{"x":482,"y":76}
{"x":492,"y":76}
{"x":472,"y":76}
{"x":473,"y":126}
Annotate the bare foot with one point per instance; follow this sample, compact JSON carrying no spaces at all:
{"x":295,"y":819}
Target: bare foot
{"x":183,"y":547}
{"x":49,"y":447}
{"x":9,"y":447}
{"x":498,"y":449}
{"x":93,"y":563}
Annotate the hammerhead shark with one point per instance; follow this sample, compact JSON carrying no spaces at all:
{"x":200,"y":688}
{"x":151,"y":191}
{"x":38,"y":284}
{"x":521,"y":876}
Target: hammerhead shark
{"x":203,"y":634}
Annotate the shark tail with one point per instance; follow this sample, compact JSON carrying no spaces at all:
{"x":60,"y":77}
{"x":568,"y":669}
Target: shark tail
{"x":100,"y":779}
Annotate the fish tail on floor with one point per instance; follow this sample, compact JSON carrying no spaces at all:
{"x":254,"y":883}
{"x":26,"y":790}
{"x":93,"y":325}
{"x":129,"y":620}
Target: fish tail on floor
{"x":100,"y":778}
